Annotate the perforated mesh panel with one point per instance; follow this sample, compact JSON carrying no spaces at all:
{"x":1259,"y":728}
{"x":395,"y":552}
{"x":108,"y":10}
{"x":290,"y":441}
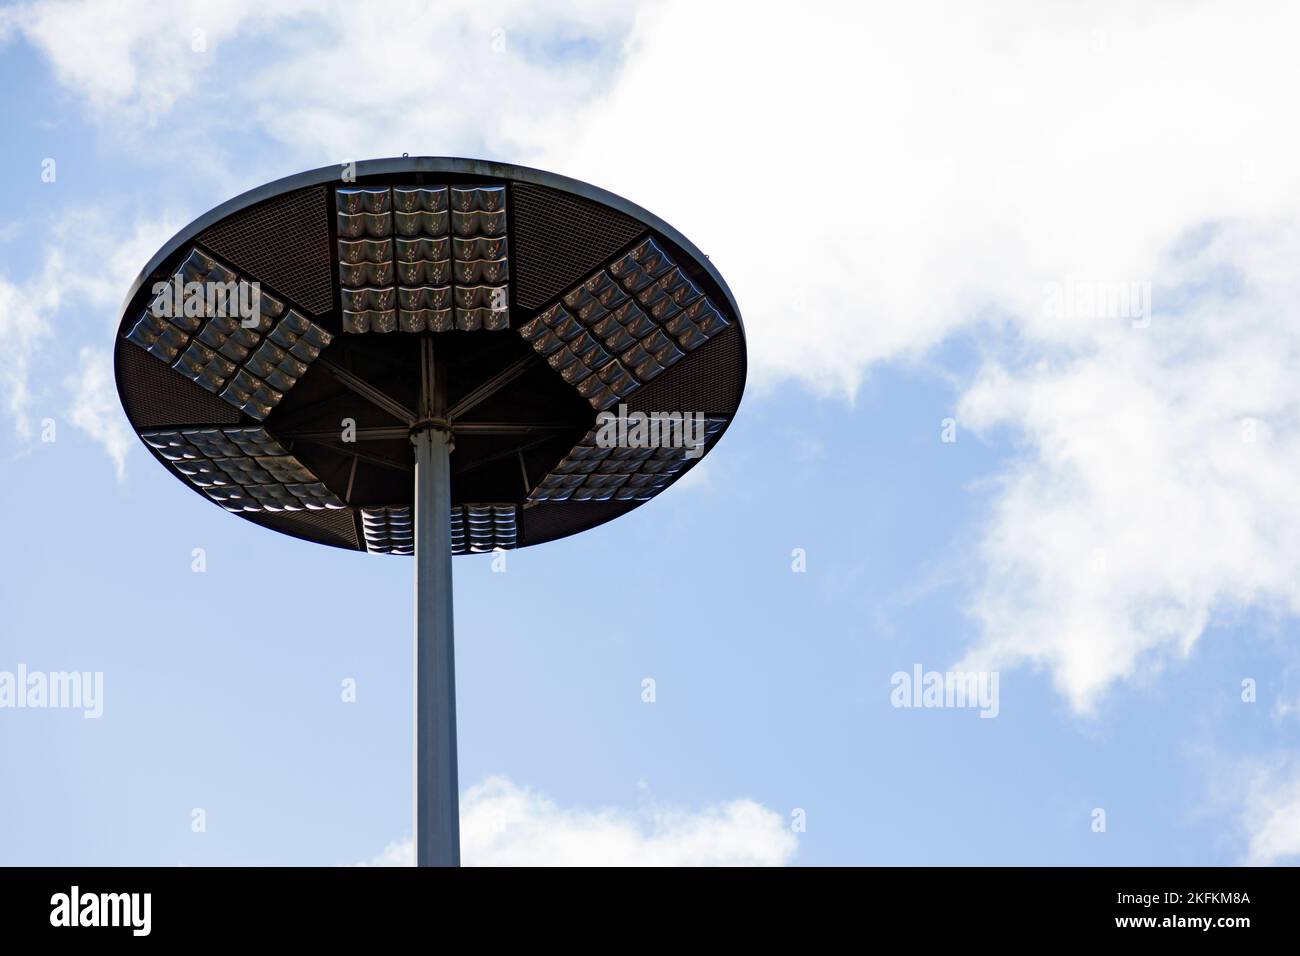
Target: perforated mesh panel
{"x":325,"y":527}
{"x":157,"y":395}
{"x":283,"y":242}
{"x":708,"y":380}
{"x":559,"y":239}
{"x":545,"y":522}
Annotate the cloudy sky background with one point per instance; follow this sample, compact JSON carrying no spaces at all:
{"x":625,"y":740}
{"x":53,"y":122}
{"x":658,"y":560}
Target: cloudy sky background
{"x":891,"y":192}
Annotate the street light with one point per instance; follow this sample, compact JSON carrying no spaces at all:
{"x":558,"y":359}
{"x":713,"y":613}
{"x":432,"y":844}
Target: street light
{"x":429,"y":356}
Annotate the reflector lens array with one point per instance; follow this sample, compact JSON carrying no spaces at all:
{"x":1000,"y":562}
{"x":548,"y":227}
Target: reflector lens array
{"x":250,"y":366}
{"x":475,"y":529}
{"x":242,"y":469}
{"x":592,"y":473}
{"x":423,"y":258}
{"x":624,"y":325}
{"x":388,"y":530}
{"x":479,"y":528}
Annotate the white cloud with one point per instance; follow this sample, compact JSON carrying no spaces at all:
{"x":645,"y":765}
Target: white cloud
{"x":1157,"y":481}
{"x":871,"y":181}
{"x":123,"y":57}
{"x":103,"y":253}
{"x":328,"y":81}
{"x":503,"y":824}
{"x":1270,"y":815}
{"x":436,"y":79}
{"x":88,"y":266}
{"x":94,"y":407}
{"x":26,"y":310}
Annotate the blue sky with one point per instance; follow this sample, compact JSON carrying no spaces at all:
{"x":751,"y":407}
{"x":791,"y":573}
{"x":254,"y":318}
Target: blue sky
{"x":1101,"y":533}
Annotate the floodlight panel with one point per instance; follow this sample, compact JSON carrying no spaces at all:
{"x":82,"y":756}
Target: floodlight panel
{"x":624,"y":325}
{"x":475,"y":529}
{"x":242,"y":469}
{"x":249,"y":361}
{"x":423,"y":258}
{"x":591,"y":472}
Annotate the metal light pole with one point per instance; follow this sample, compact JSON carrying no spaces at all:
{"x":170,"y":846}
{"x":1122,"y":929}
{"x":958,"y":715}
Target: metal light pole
{"x":437,"y":810}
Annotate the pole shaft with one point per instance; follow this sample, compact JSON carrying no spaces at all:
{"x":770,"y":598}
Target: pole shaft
{"x":437,"y":804}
